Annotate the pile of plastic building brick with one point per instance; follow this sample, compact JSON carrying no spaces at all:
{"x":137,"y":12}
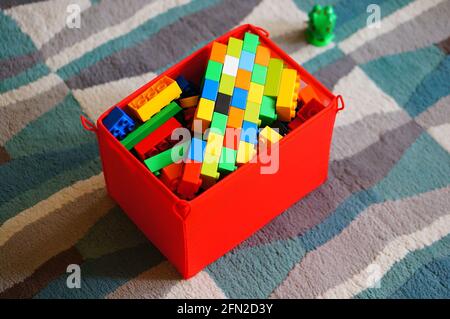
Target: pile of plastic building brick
{"x":248,"y":100}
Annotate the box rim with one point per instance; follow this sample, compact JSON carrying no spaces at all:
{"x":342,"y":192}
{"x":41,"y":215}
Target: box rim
{"x":242,"y":28}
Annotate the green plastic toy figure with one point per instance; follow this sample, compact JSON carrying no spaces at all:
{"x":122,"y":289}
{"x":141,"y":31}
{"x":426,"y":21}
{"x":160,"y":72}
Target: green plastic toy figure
{"x":321,"y":25}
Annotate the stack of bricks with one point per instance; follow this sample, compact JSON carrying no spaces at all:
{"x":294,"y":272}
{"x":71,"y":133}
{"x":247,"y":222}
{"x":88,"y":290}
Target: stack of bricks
{"x":243,"y":88}
{"x":246,"y":93}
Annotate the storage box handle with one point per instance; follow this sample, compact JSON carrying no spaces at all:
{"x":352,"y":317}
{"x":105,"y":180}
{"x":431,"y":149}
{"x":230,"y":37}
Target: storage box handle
{"x":182,"y":208}
{"x":341,"y":103}
{"x":264,"y":31}
{"x":87,"y":125}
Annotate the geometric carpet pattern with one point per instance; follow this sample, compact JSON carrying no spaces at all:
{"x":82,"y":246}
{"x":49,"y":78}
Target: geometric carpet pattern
{"x":378,"y":228}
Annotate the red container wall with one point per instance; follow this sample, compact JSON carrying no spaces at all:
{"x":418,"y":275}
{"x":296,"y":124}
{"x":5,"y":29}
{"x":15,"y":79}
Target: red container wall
{"x":143,"y":197}
{"x":242,"y":203}
{"x":237,"y":206}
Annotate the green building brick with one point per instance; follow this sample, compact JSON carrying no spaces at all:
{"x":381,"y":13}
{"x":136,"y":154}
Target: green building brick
{"x":259,"y":74}
{"x":152,"y":124}
{"x":227,"y":162}
{"x":234,"y":47}
{"x":267,"y":112}
{"x":273,"y":79}
{"x":226,"y":85}
{"x":251,"y":42}
{"x":219,"y":123}
{"x":167,"y":157}
{"x":213,"y":70}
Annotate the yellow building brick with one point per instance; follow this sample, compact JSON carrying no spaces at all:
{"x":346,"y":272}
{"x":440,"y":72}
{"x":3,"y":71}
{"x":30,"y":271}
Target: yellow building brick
{"x":269,"y":136}
{"x":251,"y":113}
{"x":205,"y":110}
{"x":287,"y":96}
{"x":214,"y":144}
{"x":154,"y":98}
{"x":255,"y":93}
{"x":245,"y":152}
{"x":209,"y":171}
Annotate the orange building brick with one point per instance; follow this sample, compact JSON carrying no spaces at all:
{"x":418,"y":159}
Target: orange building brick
{"x":235,"y":117}
{"x":218,"y":52}
{"x":170,"y":175}
{"x":262,"y":56}
{"x":243,"y":78}
{"x":232,"y":138}
{"x":307,"y":94}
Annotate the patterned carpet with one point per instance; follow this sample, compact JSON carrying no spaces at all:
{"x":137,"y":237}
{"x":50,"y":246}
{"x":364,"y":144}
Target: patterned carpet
{"x":379,"y":227}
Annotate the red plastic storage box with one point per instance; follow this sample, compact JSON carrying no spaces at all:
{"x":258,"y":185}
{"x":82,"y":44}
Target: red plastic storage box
{"x":193,"y":234}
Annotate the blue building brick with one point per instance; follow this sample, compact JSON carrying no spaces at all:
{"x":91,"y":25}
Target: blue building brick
{"x":210,"y":90}
{"x":246,"y":61}
{"x":186,"y":87}
{"x":196,"y":149}
{"x":119,"y":123}
{"x":249,"y":132}
{"x":239,"y":98}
